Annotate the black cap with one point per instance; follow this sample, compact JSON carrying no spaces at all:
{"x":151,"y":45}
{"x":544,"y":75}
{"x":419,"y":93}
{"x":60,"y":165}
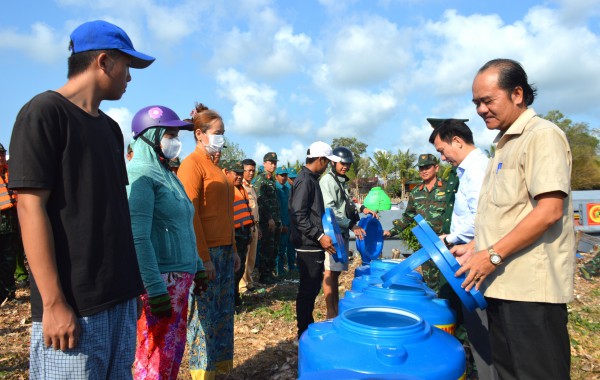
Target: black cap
{"x":437,"y":122}
{"x":2,"y":150}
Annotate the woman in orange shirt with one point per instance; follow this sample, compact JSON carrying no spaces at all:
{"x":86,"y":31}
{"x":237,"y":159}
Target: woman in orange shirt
{"x":210,"y":322}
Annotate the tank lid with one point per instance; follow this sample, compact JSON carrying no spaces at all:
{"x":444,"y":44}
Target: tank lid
{"x":371,"y":246}
{"x":434,"y":249}
{"x":332,"y":229}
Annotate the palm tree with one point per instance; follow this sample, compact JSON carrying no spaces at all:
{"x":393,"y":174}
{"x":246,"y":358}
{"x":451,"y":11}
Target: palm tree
{"x":383,"y":164}
{"x":405,"y":162}
{"x":491,"y":151}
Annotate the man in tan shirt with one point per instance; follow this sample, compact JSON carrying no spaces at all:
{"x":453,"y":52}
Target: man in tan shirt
{"x":524,"y":253}
{"x":246,"y":284}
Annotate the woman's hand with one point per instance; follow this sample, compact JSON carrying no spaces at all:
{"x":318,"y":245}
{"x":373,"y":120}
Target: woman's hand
{"x":210,"y":270}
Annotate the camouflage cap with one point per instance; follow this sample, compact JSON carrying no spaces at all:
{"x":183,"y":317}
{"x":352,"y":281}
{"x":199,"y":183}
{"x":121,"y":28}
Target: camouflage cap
{"x":427,"y":159}
{"x":292,"y":173}
{"x":437,"y":122}
{"x":281,"y":170}
{"x":234,"y":166}
{"x":271,"y":156}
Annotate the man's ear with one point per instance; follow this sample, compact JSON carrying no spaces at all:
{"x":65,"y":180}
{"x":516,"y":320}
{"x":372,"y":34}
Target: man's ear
{"x":517,"y":96}
{"x":458,"y":141}
{"x":104,"y":62}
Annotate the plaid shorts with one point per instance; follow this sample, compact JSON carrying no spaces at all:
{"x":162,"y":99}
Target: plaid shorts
{"x":106,"y":348}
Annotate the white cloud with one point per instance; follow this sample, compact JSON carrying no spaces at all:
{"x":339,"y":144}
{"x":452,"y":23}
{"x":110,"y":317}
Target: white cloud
{"x":577,"y":12}
{"x":296,"y":152}
{"x":358,"y":113}
{"x":42,"y":43}
{"x":122,"y":116}
{"x":255,"y":110}
{"x":368,"y":53}
{"x":289,"y":52}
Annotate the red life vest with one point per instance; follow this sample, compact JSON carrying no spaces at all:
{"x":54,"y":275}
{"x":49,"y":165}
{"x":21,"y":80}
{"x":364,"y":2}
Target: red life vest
{"x":242,"y":214}
{"x":8,"y":198}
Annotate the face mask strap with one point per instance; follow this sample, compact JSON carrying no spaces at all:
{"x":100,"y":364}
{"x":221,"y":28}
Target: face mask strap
{"x":156,"y":146}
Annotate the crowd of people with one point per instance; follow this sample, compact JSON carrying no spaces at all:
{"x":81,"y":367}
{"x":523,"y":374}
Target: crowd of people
{"x":131,"y":262}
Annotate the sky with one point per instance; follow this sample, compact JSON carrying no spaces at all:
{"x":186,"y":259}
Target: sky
{"x":283,"y":74}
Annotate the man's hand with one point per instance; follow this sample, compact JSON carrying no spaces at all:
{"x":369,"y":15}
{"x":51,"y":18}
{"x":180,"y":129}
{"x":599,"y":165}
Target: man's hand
{"x":284,"y":229}
{"x":60,"y":327}
{"x":327,"y":244}
{"x":210,"y":270}
{"x":359,"y":232}
{"x":237,"y":262}
{"x":200,"y":282}
{"x":387,"y":233}
{"x":463,"y":252}
{"x":272,"y":225}
{"x":479,"y":267}
{"x":366,"y":211}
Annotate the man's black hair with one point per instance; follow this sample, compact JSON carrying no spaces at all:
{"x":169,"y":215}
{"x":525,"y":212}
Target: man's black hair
{"x":248,"y":161}
{"x":510,"y":76}
{"x":452,"y":128}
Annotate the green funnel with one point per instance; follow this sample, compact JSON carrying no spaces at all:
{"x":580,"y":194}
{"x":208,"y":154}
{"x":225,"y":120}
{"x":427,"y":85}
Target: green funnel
{"x":377,"y":200}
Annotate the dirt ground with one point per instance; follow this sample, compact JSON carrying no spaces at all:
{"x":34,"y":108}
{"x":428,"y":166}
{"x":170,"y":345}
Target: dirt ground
{"x":265,"y":329}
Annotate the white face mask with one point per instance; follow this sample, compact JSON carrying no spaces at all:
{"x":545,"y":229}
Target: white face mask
{"x":215,"y":143}
{"x":170,"y":147}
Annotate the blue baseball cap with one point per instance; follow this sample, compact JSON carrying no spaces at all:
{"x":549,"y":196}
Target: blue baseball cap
{"x":281,"y":170}
{"x":102,"y":35}
{"x":292,"y":173}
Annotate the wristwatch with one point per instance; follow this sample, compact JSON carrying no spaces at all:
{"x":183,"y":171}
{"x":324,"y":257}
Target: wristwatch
{"x":495,"y":258}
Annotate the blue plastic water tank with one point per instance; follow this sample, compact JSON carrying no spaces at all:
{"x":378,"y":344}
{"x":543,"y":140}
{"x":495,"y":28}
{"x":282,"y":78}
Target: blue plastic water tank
{"x":413,"y":279}
{"x":378,"y":265}
{"x":407,"y":296}
{"x":379,"y":342}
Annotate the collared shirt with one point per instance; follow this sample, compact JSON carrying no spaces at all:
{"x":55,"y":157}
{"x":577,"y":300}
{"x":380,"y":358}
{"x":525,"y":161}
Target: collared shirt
{"x":252,"y":199}
{"x":471,"y":172}
{"x":532,"y":158}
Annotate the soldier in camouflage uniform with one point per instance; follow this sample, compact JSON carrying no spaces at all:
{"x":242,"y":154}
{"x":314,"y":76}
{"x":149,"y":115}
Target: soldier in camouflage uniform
{"x":10,"y":236}
{"x":269,"y":217}
{"x":428,"y":200}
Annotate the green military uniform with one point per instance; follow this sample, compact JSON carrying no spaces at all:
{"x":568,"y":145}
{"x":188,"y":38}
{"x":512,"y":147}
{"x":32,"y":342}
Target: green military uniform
{"x":431,"y":205}
{"x":268,"y":208}
{"x":451,"y":189}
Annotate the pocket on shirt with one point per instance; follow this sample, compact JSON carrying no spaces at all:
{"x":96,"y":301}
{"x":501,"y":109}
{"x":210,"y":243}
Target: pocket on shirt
{"x":507,"y":187}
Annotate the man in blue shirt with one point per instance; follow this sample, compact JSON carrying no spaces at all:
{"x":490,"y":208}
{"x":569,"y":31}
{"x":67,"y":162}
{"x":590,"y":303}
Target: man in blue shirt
{"x":283,"y":194}
{"x":454,"y":141}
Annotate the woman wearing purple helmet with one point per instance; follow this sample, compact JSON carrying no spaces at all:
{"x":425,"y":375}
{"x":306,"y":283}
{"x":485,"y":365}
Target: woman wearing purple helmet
{"x":165,"y":243}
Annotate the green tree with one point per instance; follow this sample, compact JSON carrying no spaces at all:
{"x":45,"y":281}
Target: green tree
{"x":584,"y":150}
{"x":356,"y":147}
{"x":404,"y":163}
{"x":362,"y":169}
{"x":444,"y":170}
{"x":491,"y":151}
{"x":232,"y":152}
{"x":384,"y":164}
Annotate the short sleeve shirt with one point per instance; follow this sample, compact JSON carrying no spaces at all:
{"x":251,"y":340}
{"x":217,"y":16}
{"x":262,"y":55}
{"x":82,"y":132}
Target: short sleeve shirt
{"x":532,"y":157}
{"x":79,"y":158}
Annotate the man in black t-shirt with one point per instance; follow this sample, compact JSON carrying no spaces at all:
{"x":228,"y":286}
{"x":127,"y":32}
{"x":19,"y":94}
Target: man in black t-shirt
{"x":68,"y":166}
